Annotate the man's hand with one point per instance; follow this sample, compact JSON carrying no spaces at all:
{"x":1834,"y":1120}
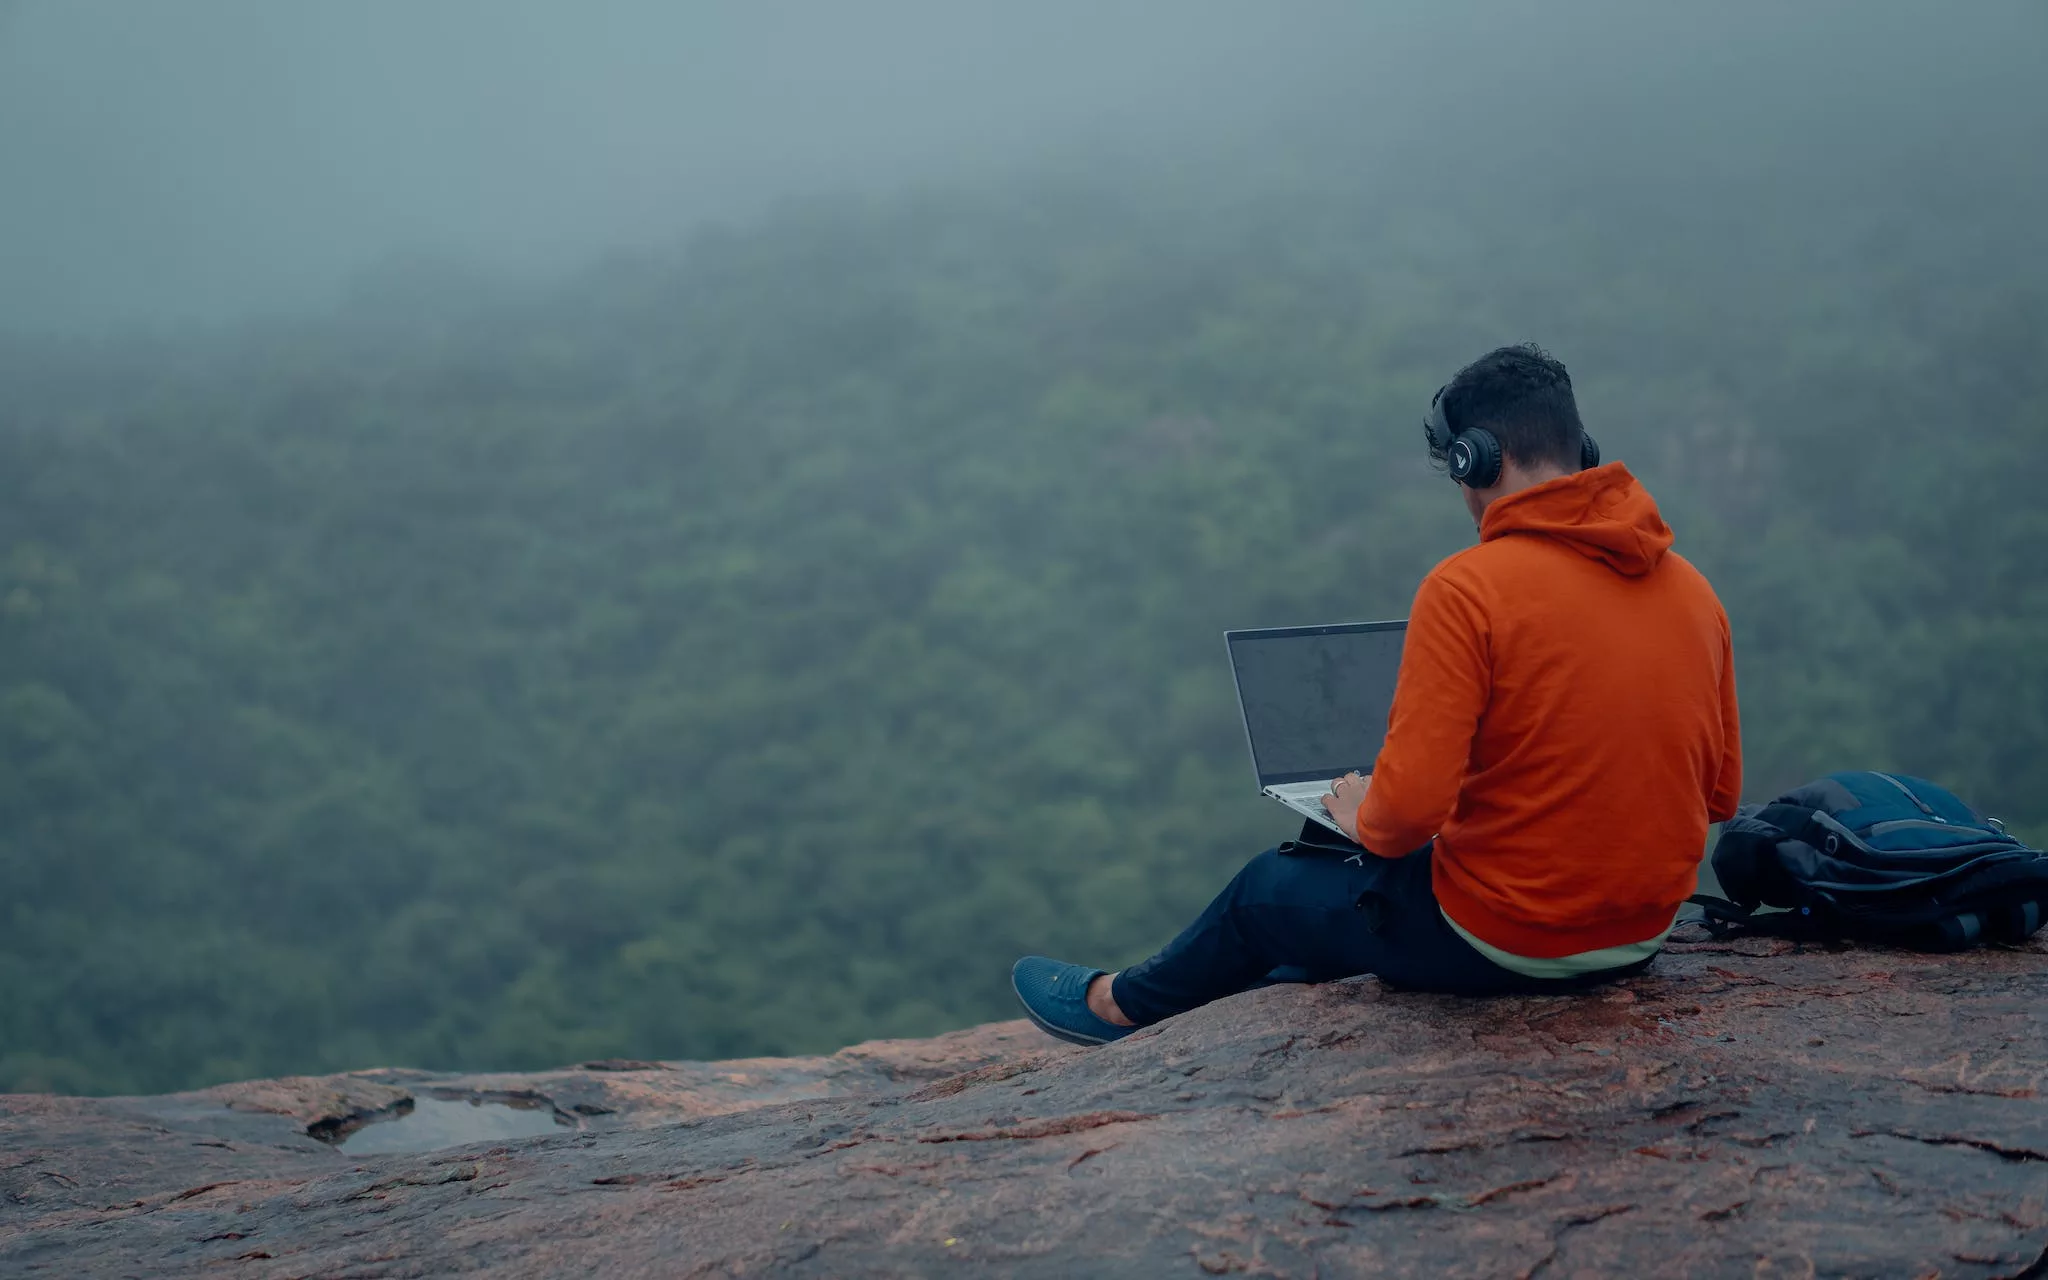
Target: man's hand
{"x":1346,"y":794}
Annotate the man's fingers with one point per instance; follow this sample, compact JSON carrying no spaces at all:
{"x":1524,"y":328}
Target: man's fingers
{"x":1342,"y":794}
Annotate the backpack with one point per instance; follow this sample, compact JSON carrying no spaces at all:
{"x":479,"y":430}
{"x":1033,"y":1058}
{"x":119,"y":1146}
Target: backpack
{"x":1876,"y":857}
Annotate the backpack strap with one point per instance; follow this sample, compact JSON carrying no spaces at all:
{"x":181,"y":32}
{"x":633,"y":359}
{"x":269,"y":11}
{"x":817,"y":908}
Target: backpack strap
{"x":2015,"y":922}
{"x":1810,"y":826}
{"x":1724,"y":919}
{"x":1912,"y":795}
{"x":1962,"y":930}
{"x":1720,"y":916}
{"x":1318,"y":841}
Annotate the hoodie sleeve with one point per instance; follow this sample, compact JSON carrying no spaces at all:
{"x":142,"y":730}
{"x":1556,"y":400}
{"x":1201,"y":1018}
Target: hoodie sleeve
{"x":1446,"y":679}
{"x":1727,"y":792}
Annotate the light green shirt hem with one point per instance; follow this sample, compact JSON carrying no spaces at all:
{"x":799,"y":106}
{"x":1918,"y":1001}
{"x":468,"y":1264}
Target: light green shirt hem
{"x":1564,"y":966}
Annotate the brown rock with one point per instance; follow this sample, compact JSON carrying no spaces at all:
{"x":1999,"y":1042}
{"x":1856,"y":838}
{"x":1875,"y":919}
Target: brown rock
{"x":1744,"y":1109}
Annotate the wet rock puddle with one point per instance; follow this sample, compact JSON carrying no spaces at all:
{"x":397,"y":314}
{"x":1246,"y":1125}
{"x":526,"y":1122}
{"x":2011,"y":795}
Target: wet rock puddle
{"x":429,"y":1124}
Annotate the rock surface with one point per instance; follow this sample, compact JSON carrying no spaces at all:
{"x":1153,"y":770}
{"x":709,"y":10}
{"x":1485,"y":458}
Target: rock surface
{"x":1744,"y":1109}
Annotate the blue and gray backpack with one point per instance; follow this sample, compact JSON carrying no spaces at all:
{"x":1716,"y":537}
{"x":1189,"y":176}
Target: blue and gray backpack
{"x":1876,"y":857}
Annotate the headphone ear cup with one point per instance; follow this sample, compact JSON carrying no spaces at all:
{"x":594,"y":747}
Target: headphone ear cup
{"x":1459,"y":459}
{"x":1589,"y":451}
{"x":1476,"y":458}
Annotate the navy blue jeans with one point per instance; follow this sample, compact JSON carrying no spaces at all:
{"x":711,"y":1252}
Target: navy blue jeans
{"x":1332,"y":918}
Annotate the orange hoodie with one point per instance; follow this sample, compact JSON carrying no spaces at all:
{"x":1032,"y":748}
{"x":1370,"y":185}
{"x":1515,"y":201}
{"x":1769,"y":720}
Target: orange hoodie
{"x":1564,"y":725}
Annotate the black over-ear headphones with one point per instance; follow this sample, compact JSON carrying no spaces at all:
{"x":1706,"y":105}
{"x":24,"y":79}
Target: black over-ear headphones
{"x":1474,"y":455}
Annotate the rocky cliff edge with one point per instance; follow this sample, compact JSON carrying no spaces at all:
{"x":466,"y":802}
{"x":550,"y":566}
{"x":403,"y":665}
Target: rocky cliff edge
{"x":1744,"y":1109}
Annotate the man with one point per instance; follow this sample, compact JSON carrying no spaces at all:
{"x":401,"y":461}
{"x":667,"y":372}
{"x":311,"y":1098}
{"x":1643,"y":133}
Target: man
{"x":1563,"y":730}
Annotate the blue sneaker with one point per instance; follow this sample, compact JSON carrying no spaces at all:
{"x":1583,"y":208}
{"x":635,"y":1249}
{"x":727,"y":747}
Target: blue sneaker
{"x":1055,"y":996}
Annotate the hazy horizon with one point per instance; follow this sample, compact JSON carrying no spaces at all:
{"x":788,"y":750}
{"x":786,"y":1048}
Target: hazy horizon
{"x":221,"y":159}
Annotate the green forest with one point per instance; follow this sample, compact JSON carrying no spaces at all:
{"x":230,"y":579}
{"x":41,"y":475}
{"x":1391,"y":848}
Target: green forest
{"x":753,"y":647}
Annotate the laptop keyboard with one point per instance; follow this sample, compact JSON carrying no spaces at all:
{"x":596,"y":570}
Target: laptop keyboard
{"x":1305,"y":798}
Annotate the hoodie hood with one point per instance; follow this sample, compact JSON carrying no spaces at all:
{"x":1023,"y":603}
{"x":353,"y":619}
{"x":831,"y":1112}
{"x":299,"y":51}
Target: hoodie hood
{"x":1604,"y":514}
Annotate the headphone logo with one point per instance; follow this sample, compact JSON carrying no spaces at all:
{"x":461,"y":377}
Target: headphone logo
{"x":1474,"y":456}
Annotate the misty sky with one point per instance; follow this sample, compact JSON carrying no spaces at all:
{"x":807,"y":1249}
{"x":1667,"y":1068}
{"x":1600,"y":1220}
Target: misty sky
{"x":207,"y":159}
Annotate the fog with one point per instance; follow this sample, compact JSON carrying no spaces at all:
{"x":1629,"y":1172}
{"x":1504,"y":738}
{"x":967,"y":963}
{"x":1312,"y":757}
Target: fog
{"x":206,"y":158}
{"x":213,"y":158}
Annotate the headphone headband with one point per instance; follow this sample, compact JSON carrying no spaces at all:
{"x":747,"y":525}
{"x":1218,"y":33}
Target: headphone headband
{"x":1438,"y":427}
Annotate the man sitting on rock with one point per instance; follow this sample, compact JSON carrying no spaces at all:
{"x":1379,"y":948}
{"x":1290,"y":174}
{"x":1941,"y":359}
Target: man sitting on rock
{"x":1563,"y":730}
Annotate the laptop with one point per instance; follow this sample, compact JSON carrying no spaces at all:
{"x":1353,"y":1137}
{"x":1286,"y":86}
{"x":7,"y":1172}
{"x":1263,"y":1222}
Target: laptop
{"x":1315,"y":702}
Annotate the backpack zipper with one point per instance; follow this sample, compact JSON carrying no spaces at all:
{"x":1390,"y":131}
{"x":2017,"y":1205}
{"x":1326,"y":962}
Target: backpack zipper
{"x":1890,"y":825}
{"x":1918,"y":803}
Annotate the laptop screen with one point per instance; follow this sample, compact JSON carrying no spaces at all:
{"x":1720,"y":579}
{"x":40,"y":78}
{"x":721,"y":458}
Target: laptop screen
{"x":1315,"y":699}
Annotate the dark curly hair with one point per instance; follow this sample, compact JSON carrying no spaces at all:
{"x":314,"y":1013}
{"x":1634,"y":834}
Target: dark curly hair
{"x":1524,"y":397}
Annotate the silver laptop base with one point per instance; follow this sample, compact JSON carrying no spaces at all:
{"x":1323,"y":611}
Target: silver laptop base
{"x":1306,"y":799}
